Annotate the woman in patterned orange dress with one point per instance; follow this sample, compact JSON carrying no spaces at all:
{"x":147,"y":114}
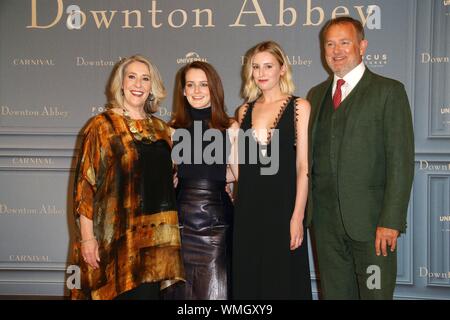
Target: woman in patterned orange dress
{"x":124,"y":200}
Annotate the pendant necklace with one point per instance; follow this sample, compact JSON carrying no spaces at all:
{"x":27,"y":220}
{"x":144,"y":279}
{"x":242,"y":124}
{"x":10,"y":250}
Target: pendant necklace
{"x":145,"y":135}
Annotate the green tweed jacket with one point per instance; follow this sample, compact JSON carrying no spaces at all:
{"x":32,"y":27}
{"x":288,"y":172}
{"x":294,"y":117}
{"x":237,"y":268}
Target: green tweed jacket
{"x":376,"y":160}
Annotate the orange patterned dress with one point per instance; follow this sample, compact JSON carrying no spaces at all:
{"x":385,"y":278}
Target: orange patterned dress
{"x":125,"y":187}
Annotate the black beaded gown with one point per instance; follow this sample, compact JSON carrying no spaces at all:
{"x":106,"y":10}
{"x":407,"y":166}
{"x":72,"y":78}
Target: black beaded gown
{"x":205,"y":215}
{"x":264,"y":267}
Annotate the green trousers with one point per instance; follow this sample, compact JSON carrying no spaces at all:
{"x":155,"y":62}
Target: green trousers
{"x":350,"y":269}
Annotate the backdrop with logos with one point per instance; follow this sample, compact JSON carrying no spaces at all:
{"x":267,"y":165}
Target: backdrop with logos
{"x":55,"y":60}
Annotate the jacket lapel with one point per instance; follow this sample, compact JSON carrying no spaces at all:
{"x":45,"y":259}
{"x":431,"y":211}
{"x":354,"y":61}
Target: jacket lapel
{"x":318,"y":104}
{"x":355,"y":101}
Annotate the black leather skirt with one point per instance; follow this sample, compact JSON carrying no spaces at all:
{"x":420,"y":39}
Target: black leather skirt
{"x":205,"y":215}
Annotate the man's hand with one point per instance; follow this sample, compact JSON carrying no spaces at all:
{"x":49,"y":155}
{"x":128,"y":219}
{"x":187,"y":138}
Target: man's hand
{"x":385,"y":237}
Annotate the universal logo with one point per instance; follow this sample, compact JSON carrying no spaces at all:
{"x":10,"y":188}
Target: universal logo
{"x":443,"y":220}
{"x":376,"y":59}
{"x":191,"y":57}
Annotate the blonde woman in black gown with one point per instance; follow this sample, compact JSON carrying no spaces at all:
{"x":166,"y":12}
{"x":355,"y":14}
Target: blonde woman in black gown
{"x":270,"y":250}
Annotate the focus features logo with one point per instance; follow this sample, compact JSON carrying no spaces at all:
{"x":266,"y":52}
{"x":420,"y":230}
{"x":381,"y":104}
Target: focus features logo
{"x":191,"y":57}
{"x":376,"y":59}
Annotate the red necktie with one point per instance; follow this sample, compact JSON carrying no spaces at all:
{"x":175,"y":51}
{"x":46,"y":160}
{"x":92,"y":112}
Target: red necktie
{"x":338,"y":94}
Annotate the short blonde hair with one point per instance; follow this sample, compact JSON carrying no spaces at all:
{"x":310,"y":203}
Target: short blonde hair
{"x":115,"y":93}
{"x":250,"y":91}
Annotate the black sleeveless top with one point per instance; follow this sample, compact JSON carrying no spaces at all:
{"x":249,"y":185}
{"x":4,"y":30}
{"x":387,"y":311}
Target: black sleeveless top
{"x":156,"y":183}
{"x":219,"y":150}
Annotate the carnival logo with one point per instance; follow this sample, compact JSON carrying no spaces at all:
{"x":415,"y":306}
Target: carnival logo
{"x":28,"y":258}
{"x":191,"y":57}
{"x":33,"y":62}
{"x":376,"y":59}
{"x":34,"y":161}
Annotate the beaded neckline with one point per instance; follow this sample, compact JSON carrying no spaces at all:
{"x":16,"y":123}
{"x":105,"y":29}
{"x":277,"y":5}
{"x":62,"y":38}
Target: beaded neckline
{"x":275,"y":123}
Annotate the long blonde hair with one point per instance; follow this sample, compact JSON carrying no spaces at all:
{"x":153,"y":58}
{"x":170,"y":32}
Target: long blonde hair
{"x":115,"y":93}
{"x":250,"y":91}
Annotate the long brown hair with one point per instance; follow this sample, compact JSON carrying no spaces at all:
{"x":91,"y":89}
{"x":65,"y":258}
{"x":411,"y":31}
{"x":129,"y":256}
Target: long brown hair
{"x":181,"y":117}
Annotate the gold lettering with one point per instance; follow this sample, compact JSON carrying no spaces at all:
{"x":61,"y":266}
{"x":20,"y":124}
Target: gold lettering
{"x":309,"y":10}
{"x":184,"y":19}
{"x":153,"y":12}
{"x":104,"y":20}
{"x":335,"y":12}
{"x":138,"y":19}
{"x":34,"y":15}
{"x":258,"y":11}
{"x":293,"y":12}
{"x":197,"y":18}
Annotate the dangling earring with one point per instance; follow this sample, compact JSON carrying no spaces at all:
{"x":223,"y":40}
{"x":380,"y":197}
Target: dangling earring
{"x":150,"y":99}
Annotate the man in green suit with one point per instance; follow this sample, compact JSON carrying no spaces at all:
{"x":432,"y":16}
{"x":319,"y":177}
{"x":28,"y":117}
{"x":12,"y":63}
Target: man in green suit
{"x":361,"y":169}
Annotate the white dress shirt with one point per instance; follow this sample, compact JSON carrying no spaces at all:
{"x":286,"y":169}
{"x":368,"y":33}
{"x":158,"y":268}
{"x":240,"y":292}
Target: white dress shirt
{"x":351,"y":80}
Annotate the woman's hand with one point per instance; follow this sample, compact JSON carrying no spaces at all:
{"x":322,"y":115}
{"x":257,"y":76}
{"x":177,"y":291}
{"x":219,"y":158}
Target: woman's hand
{"x":89,"y":244}
{"x":296,"y":232}
{"x":89,"y":251}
